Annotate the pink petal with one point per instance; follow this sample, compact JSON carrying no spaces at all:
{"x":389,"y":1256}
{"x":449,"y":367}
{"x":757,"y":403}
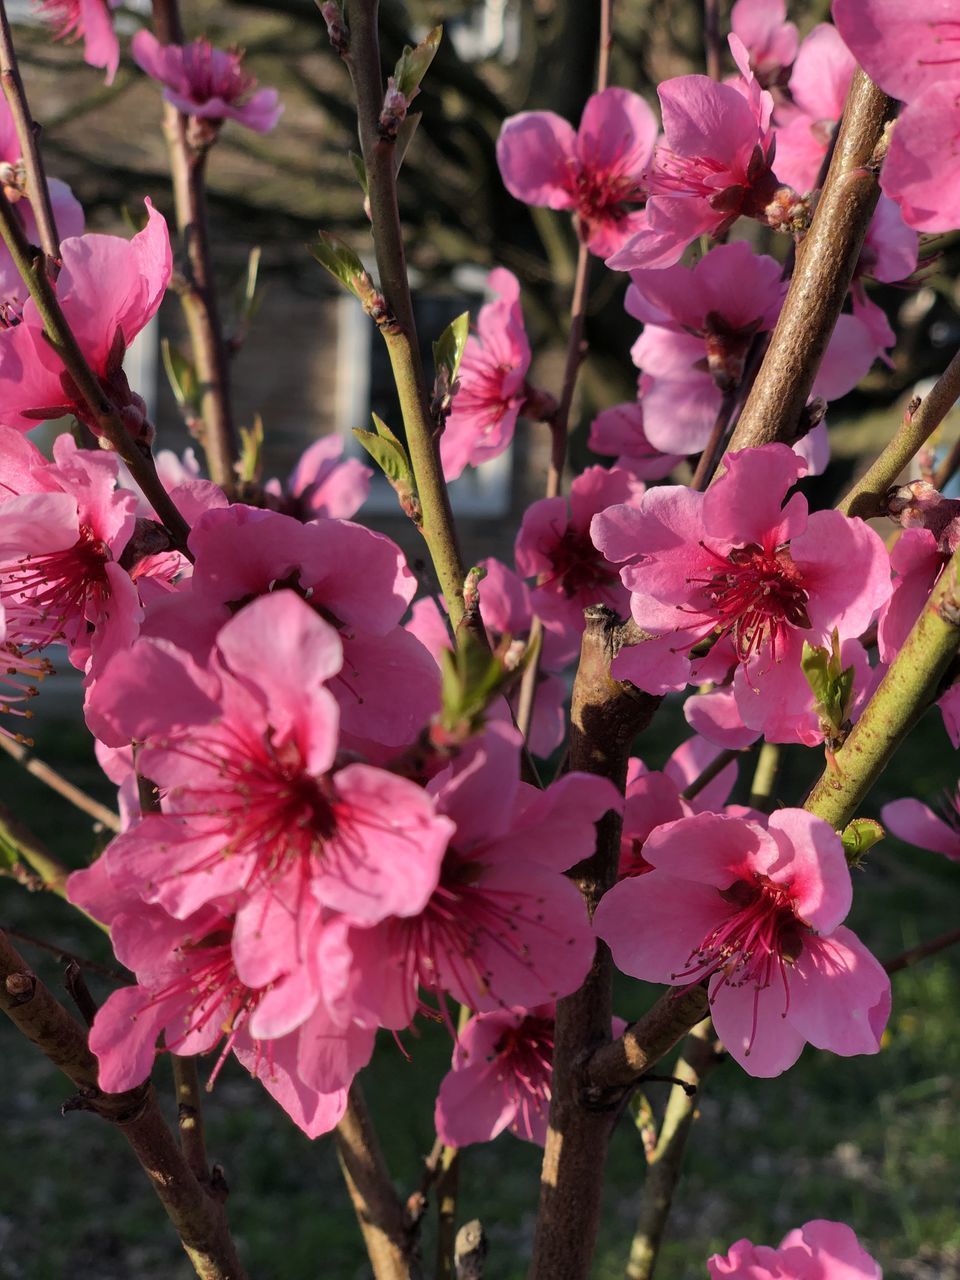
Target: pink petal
{"x":914,"y":823}
{"x":747,"y":503}
{"x":813,"y":865}
{"x":473,"y":1105}
{"x":839,"y":994}
{"x":750,"y":1022}
{"x":653,"y":924}
{"x":536,"y":152}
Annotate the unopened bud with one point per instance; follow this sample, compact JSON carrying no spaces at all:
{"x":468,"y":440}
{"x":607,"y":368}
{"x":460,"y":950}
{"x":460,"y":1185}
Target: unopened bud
{"x":788,"y":211}
{"x":332,"y":14}
{"x":394,"y":110}
{"x":919,"y":505}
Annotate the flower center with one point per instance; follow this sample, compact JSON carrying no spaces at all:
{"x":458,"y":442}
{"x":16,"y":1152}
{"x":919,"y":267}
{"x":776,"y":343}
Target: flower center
{"x":524,"y":1057}
{"x":754,"y":596}
{"x":46,"y":592}
{"x":578,"y":567}
{"x":213,"y":74}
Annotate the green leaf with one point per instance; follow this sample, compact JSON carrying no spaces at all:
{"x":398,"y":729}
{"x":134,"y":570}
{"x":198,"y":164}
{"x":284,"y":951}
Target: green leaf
{"x":360,"y":169}
{"x":342,"y":263}
{"x":448,"y":348}
{"x":404,"y":137}
{"x":831,"y":682}
{"x":182,"y":377}
{"x":414,"y":63}
{"x":859,"y":836}
{"x":250,"y":462}
{"x":384,"y":432}
{"x":389,"y":456}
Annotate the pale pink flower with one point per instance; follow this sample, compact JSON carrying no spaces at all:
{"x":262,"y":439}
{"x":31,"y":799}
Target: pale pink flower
{"x":597,"y":173}
{"x":323,"y":483}
{"x":491,"y":384}
{"x":388,"y":687}
{"x":917,"y":562}
{"x":108,"y":288}
{"x":818,"y":88}
{"x":713,"y":166}
{"x":819,"y":1250}
{"x":91,"y":20}
{"x":755,"y":575}
{"x":770,"y":40}
{"x":619,"y":431}
{"x":913,"y":173}
{"x":207,"y":83}
{"x":916,"y":823}
{"x":504,"y":928}
{"x":256,"y":813}
{"x":553,"y":546}
{"x":507,"y":611}
{"x":758,"y":914}
{"x":500,"y":1078}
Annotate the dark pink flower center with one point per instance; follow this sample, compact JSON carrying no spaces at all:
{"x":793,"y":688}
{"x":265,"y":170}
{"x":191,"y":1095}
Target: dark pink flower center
{"x":605,"y":195}
{"x":65,"y":16}
{"x":754,"y":596}
{"x":578,"y":568}
{"x":212,"y":73}
{"x":46,"y":593}
{"x":524,"y":1066}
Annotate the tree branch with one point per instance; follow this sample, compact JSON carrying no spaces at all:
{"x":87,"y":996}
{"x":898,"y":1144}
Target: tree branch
{"x":199,"y":1221}
{"x":826,"y":259}
{"x":867,"y":497}
{"x":53,"y":874}
{"x":61,"y":785}
{"x":606,"y":716}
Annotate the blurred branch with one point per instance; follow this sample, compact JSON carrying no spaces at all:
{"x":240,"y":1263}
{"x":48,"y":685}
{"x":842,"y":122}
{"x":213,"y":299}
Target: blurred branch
{"x":56,"y":782}
{"x":915,"y":954}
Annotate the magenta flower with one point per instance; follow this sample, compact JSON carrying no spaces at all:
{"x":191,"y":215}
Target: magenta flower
{"x":769,"y":39}
{"x":926,"y":130}
{"x":758,"y":915}
{"x":698,"y":327}
{"x":323,"y":484}
{"x":819,"y":1250}
{"x":207,"y":83}
{"x":504,"y":927}
{"x":740,"y":567}
{"x":597,"y":173}
{"x":916,"y":823}
{"x":500,"y":1078}
{"x":554,"y":547}
{"x":507,"y":611}
{"x":619,"y":431}
{"x":256,"y":813}
{"x":109,"y":288}
{"x":917,"y":562}
{"x":388,"y":687}
{"x":713,"y":166}
{"x":91,"y":20}
{"x":491,"y":388}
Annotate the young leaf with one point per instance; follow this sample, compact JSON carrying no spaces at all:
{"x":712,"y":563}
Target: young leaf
{"x":858,"y":836}
{"x":342,"y":263}
{"x":414,"y":63}
{"x":182,"y":377}
{"x":448,"y":348}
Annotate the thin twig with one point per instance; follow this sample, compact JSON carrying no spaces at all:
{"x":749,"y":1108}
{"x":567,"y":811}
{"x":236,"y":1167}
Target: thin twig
{"x":199,"y":1221}
{"x":62,"y":340}
{"x":866,"y":498}
{"x":696,"y":1063}
{"x":190,"y":1116}
{"x":715,"y":767}
{"x":448,"y":1189}
{"x":713,"y":452}
{"x":765,"y":777}
{"x":38,"y":191}
{"x":713,"y":45}
{"x":27,"y":848}
{"x":948,"y":468}
{"x":826,"y":260}
{"x":105,"y":971}
{"x":924,"y":949}
{"x":56,"y":782}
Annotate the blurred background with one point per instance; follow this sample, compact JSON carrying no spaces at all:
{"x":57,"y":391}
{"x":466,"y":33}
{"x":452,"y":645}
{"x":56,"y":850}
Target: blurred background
{"x":872,"y":1141}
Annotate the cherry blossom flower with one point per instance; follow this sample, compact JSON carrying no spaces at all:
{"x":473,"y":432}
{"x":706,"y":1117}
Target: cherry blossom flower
{"x":504,"y":927}
{"x":916,"y":823}
{"x":108,"y":289}
{"x":323,"y":483}
{"x":758,"y":913}
{"x":491,"y":381}
{"x":506,"y":610}
{"x":553,"y":546}
{"x":500,"y":1079}
{"x":256,"y":813}
{"x":917,"y":562}
{"x":389,"y":686}
{"x":619,"y":431}
{"x":91,"y":20}
{"x":770,"y":40}
{"x":739,"y":567}
{"x":207,"y":83}
{"x":713,"y":166}
{"x":597,"y":172}
{"x":818,"y":1250}
{"x":818,"y":89}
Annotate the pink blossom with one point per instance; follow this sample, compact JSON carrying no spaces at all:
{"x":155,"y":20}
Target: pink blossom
{"x":207,"y":83}
{"x":926,"y":130}
{"x":323,"y":483}
{"x":819,"y":1250}
{"x":64,"y":528}
{"x":901,"y":46}
{"x":67,"y":210}
{"x":504,"y":928}
{"x":256,"y":812}
{"x":491,"y":382}
{"x":770,"y":40}
{"x":597,"y":173}
{"x":917,"y":563}
{"x":501,"y":1077}
{"x":506,"y":611}
{"x":619,"y":431}
{"x":713,"y":166}
{"x":90,"y":19}
{"x":738,"y":566}
{"x":388,"y":687}
{"x":758,"y":914}
{"x":554,"y":547}
{"x":108,"y":288}
{"x":818,"y":88}
{"x":916,"y":823}
{"x":950,"y":708}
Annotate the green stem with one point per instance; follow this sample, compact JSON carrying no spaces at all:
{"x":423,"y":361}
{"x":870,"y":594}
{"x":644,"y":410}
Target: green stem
{"x":62,"y":786}
{"x":866,"y":498}
{"x":186,"y":1082}
{"x":765,"y":777}
{"x":363,"y":60}
{"x":25,"y":846}
{"x":826,"y":260}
